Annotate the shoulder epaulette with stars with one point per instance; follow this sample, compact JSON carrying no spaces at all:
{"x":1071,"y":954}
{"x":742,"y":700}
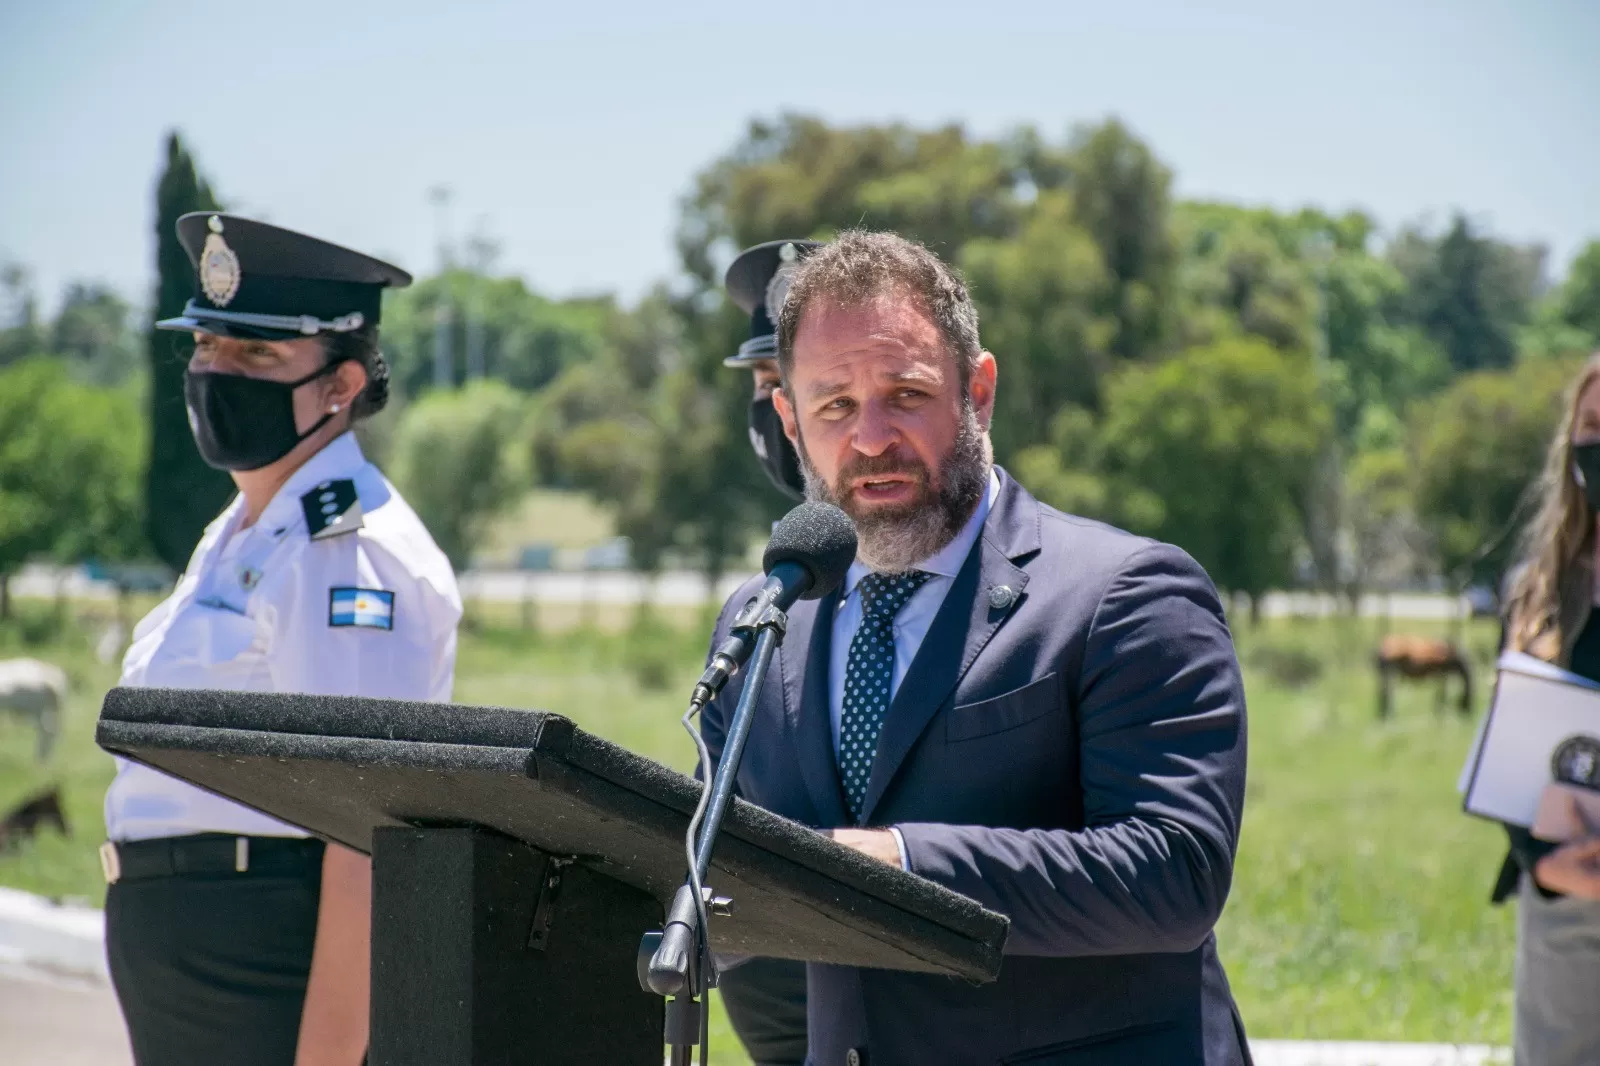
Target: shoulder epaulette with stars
{"x":332,"y":509}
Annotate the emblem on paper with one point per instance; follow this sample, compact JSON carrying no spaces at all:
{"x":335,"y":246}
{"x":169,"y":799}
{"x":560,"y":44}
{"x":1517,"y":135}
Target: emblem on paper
{"x":219,"y":267}
{"x":1577,"y":761}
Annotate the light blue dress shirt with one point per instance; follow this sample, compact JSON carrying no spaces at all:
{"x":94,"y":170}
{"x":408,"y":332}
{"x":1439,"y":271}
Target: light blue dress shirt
{"x":911,"y":625}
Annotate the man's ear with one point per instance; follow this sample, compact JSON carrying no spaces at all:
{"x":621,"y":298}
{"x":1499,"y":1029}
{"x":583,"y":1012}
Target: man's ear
{"x":980,"y":386}
{"x":780,"y":402}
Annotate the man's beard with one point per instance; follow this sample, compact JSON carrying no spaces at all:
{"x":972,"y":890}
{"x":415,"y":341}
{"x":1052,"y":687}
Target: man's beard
{"x":894,"y":538}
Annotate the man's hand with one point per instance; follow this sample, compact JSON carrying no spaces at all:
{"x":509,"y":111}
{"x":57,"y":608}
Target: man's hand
{"x":1573,"y":869}
{"x":878,"y":844}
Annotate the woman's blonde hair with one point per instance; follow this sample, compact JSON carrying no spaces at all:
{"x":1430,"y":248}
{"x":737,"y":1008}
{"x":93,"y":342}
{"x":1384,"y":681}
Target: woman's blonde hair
{"x":1554,"y":540}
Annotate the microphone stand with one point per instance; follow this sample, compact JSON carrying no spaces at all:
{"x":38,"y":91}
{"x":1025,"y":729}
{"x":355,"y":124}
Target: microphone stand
{"x":676,"y":961}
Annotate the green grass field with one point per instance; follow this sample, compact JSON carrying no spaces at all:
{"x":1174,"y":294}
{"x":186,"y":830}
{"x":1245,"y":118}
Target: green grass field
{"x":1360,"y":902}
{"x":546,"y":516}
{"x":1359,"y":908}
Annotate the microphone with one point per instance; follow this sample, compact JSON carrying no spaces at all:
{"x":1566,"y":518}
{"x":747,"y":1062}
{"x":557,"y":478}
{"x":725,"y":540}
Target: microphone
{"x":810,"y":552}
{"x":808,"y":556}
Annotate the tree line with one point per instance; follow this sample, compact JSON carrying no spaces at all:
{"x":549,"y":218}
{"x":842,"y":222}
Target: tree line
{"x":1297,"y":398}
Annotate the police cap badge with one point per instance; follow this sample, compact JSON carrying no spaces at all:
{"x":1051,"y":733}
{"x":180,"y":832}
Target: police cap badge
{"x":264,"y":282}
{"x":758,"y":281}
{"x":219,"y":267}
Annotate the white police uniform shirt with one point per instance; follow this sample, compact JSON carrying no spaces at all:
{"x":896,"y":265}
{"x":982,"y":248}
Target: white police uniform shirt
{"x":369,"y":609}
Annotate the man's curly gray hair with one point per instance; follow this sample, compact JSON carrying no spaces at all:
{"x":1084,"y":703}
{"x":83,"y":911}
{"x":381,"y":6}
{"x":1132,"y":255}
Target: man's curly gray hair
{"x":861,"y":265}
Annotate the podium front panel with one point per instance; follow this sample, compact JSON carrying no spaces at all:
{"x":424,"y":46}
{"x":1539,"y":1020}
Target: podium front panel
{"x":342,"y":766}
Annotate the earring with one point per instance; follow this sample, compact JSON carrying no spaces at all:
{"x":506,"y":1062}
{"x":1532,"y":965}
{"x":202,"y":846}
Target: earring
{"x":334,"y":409}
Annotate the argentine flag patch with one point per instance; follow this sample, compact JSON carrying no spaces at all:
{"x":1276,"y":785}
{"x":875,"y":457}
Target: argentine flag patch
{"x":370,"y":608}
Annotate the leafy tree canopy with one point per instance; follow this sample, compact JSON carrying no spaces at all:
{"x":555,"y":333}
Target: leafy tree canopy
{"x":1478,"y":448}
{"x":1468,"y":292}
{"x":71,"y":468}
{"x":513,"y":334}
{"x":460,"y":457}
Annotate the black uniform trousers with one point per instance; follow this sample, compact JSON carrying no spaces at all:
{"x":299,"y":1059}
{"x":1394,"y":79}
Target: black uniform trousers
{"x":766,"y":1002}
{"x":212,"y":967}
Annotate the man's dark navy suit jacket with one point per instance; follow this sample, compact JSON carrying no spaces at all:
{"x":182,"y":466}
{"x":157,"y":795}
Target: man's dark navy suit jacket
{"x":1074,"y":759}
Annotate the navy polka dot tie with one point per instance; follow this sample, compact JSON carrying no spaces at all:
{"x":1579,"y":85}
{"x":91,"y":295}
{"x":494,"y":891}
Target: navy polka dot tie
{"x":869,"y":679}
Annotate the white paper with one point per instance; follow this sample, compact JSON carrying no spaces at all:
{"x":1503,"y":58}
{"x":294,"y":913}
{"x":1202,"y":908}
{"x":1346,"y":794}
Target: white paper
{"x":1523,"y":663}
{"x":1536,"y":707}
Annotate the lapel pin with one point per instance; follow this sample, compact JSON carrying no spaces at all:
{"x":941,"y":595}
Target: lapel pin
{"x":1001,"y":597}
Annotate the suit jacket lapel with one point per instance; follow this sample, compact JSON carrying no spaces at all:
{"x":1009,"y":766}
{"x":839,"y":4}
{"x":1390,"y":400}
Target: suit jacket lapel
{"x":804,"y":656}
{"x":964,"y":625}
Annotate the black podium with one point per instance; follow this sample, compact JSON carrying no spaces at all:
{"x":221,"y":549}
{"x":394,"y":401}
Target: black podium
{"x":517,"y":860}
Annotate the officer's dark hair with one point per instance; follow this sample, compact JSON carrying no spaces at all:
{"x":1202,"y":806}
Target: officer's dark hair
{"x":361,"y":345}
{"x":861,"y":265}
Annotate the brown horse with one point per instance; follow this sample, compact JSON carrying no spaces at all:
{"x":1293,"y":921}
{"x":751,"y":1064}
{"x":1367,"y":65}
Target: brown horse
{"x":1416,"y":658}
{"x":29,"y":816}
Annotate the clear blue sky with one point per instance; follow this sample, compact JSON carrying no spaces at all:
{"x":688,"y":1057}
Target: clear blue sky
{"x":571,"y":129}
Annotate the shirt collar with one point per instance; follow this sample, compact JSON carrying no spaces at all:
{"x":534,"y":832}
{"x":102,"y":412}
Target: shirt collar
{"x":341,"y":458}
{"x":947,"y":561}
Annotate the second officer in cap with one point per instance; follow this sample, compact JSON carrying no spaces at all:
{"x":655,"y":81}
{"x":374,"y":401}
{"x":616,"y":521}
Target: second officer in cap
{"x":757,"y":282}
{"x":233,"y":937}
{"x":766,"y":998}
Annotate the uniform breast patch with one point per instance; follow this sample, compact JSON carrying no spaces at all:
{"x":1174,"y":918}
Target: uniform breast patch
{"x":368,"y":608}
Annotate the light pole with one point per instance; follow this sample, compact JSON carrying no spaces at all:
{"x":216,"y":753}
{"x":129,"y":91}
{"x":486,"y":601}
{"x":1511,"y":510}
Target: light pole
{"x":1326,"y":502}
{"x":443,"y":363}
{"x":440,"y":196}
{"x":481,"y":253}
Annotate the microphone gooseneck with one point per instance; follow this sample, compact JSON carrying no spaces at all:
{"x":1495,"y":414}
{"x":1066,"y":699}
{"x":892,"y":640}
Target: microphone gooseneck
{"x":808,"y":556}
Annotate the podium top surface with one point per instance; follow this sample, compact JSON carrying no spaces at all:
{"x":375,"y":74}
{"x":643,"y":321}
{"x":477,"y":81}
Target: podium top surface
{"x":341,"y":766}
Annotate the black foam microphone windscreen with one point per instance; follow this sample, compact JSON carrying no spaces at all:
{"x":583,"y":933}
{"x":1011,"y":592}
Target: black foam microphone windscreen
{"x":819,"y":537}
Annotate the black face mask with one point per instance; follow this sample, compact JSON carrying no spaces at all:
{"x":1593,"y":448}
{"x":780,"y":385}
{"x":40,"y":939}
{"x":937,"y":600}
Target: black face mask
{"x":1586,"y":457}
{"x":243,"y":423}
{"x":773,"y":449}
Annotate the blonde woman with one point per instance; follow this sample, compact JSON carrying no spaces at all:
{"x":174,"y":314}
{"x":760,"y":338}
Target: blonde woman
{"x":1551,"y":614}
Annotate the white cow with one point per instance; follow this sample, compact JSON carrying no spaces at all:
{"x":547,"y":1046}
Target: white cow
{"x":35,"y":691}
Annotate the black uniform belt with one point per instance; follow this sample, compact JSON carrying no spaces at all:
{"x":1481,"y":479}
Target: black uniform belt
{"x":208,"y":853}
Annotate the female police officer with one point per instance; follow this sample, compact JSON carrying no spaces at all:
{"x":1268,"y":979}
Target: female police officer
{"x":233,"y":937}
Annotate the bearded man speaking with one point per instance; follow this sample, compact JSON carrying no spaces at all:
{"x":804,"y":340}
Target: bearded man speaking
{"x":1038,"y":711}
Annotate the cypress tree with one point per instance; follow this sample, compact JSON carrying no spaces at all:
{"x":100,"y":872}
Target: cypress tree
{"x":182,"y":493}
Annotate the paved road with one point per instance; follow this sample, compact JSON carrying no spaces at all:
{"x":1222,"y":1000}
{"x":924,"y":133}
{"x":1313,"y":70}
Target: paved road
{"x":56,"y":1023}
{"x":684,"y":588}
{"x":47,"y":1021}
